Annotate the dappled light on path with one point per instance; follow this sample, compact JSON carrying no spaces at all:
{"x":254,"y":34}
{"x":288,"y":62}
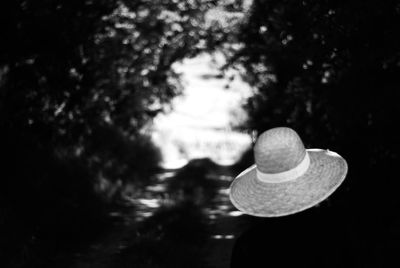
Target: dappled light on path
{"x":204,"y":186}
{"x":187,"y":209}
{"x":206,"y":201}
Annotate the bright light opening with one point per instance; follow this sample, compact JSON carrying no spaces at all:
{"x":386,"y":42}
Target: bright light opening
{"x":202,"y":121}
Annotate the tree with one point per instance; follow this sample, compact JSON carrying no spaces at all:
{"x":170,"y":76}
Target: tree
{"x":329,"y":69}
{"x":325,"y":68}
{"x":79,"y":83}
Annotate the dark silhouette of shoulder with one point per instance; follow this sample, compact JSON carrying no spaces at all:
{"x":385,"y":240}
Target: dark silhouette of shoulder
{"x":308,"y":239}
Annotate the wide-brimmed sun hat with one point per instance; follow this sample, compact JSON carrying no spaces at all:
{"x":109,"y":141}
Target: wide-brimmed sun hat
{"x":286,"y":178}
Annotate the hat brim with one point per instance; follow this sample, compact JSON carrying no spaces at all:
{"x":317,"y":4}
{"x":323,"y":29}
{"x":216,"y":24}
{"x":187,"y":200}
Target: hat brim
{"x":326,"y":172}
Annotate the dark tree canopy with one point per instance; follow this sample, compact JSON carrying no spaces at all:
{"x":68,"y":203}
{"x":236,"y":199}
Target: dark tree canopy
{"x":326,"y":68}
{"x":79,"y":83}
{"x":74,"y":72}
{"x":330,"y":70}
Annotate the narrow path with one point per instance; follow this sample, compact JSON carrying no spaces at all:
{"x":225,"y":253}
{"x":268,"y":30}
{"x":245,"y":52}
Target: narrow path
{"x":186,"y":219}
{"x":204,"y":233}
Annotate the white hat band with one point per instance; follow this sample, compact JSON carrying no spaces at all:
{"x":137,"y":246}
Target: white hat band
{"x":285,"y":176}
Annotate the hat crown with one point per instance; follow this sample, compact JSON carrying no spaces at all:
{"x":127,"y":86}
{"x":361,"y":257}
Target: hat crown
{"x":278,"y":150}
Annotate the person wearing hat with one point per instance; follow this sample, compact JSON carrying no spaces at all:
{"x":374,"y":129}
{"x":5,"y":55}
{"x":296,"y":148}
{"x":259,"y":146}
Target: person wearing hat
{"x":285,"y":180}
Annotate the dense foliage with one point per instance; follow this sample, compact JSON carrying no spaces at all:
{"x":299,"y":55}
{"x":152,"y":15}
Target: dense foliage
{"x":330,"y":70}
{"x":80,"y":81}
{"x":327,"y":68}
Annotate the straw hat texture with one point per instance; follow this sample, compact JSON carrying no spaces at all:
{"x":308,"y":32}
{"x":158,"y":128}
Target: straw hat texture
{"x":286,"y":178}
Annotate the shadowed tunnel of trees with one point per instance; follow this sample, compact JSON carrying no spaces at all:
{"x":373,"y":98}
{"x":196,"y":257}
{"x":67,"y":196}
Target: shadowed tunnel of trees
{"x":80,"y":82}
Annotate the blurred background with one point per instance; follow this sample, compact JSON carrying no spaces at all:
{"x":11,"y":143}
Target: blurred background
{"x":123,"y":123}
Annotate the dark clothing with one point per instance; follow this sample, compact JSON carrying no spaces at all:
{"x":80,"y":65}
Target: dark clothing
{"x":308,"y":239}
